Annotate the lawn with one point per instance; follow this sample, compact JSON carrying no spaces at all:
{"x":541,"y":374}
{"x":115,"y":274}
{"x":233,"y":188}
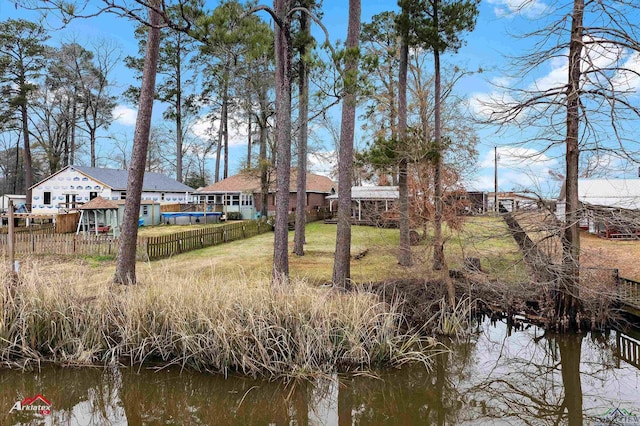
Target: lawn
{"x":484,"y":238}
{"x":159,"y":230}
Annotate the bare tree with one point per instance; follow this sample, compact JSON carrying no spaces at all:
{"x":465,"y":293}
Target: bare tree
{"x":584,"y":113}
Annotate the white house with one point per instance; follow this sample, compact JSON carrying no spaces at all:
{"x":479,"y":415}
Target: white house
{"x":73,"y":186}
{"x":609,"y":205}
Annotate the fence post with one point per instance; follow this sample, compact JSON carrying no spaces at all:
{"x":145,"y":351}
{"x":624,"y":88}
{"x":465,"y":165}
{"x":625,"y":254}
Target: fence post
{"x":11,"y":240}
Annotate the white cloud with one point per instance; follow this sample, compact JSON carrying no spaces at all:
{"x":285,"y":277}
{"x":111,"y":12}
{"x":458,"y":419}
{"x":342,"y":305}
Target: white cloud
{"x":519,"y":169}
{"x":627,"y":78}
{"x":518,"y":157}
{"x":527,"y":8}
{"x":490,"y":105}
{"x":322,"y":163}
{"x":125,"y":115}
{"x":204,"y":128}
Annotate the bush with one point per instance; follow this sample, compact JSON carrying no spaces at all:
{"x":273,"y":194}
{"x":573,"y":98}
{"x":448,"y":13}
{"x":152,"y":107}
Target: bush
{"x":234,"y":216}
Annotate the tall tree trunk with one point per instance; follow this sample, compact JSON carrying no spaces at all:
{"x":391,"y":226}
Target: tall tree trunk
{"x":72,"y":150}
{"x":28,"y":168}
{"x":216,"y":178}
{"x":249,"y":142}
{"x":126,"y":262}
{"x":179,"y":177}
{"x":263,"y":162}
{"x":567,"y":301}
{"x":280,"y":271}
{"x":404,"y":250}
{"x":438,"y":246}
{"x":303,"y":108}
{"x":341,"y":265}
{"x":225,"y":115}
{"x":92,"y":143}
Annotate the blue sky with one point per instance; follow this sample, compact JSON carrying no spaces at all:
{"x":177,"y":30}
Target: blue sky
{"x":487,"y":48}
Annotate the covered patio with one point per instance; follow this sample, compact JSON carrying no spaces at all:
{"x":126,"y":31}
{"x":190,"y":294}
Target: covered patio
{"x":99,"y":216}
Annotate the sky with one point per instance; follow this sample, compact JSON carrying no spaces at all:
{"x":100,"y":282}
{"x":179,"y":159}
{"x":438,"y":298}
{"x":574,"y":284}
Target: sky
{"x":521,"y":165}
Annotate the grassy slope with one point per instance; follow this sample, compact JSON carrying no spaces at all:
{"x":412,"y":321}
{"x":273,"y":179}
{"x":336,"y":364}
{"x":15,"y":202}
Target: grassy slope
{"x":485,"y":238}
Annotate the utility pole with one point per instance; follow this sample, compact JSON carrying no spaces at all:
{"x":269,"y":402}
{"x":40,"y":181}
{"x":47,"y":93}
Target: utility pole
{"x":495,"y":180}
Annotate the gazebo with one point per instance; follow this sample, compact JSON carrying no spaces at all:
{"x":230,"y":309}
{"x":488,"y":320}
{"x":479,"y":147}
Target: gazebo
{"x":99,"y":216}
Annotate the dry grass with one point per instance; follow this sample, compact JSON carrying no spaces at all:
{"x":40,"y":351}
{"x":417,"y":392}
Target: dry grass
{"x":214,"y":310}
{"x":205,"y":324}
{"x":595,"y":252}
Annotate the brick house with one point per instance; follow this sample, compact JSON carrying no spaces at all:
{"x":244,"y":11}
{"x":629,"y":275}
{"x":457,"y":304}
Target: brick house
{"x":241,"y":193}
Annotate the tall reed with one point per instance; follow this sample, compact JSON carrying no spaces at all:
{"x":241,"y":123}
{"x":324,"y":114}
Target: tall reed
{"x":201,"y":323}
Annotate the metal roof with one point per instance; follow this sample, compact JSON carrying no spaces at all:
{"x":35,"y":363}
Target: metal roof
{"x":371,"y":193}
{"x":117,"y":179}
{"x":622,"y":193}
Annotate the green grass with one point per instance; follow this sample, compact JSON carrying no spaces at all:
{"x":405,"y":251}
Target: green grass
{"x":159,"y":230}
{"x":485,"y":238}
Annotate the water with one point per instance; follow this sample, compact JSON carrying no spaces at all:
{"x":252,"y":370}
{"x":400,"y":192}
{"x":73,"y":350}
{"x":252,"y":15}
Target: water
{"x":499,"y":376}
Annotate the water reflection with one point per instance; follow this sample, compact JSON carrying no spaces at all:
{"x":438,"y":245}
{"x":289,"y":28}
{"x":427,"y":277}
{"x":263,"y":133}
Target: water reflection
{"x":498,"y":376}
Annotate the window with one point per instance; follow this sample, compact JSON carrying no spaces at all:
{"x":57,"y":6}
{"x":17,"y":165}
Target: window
{"x":162,"y":196}
{"x":235,"y":200}
{"x":93,"y":195}
{"x":246,"y":199}
{"x":145,"y":210}
{"x":123,"y":195}
{"x":47,"y":198}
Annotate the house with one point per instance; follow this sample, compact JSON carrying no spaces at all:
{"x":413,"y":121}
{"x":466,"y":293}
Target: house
{"x":73,"y":186}
{"x":241,"y":193}
{"x":610,"y":207}
{"x":371,"y":203}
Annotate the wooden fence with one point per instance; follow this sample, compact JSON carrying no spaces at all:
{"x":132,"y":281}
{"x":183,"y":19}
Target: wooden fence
{"x":61,"y":244}
{"x":169,"y":208}
{"x":181,"y":242}
{"x":47,"y":228}
{"x":149,"y":248}
{"x":629,"y":292}
{"x":628,"y":349}
{"x":66,"y":223}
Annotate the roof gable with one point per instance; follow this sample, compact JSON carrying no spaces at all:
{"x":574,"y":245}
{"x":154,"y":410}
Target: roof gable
{"x":99,"y":203}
